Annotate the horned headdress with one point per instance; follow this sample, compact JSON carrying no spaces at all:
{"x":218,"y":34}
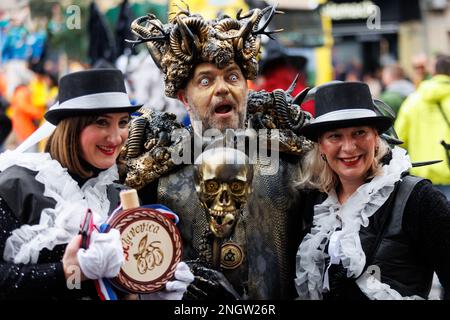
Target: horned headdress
{"x":188,"y":39}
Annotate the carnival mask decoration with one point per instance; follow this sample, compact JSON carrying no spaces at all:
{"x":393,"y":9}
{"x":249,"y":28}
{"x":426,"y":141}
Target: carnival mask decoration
{"x":223,"y":180}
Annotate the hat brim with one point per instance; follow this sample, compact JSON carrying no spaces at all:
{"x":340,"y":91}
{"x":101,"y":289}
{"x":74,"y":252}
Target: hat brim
{"x":314,"y":130}
{"x":56,"y":115}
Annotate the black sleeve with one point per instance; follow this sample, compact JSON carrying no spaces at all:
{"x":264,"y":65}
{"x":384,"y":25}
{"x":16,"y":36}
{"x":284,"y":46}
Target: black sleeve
{"x":24,"y":194}
{"x":427,"y":219}
{"x":29,"y":281}
{"x":149,"y":193}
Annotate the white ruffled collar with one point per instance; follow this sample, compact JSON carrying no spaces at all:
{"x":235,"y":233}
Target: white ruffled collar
{"x":346,"y":244}
{"x":60,"y":224}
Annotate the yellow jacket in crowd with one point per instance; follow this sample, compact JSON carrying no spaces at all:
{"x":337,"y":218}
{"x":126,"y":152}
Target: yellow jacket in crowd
{"x":422,"y":127}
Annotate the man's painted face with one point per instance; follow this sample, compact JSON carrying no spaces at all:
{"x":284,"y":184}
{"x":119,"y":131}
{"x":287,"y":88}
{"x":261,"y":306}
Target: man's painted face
{"x":102,"y":141}
{"x":216,"y":97}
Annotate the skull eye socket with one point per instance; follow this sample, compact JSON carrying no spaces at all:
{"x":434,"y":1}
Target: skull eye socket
{"x":211,"y":186}
{"x":237,"y":187}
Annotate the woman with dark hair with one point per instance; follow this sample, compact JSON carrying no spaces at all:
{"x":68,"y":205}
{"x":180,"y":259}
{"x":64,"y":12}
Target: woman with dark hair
{"x":44,"y":196}
{"x":377,"y":232}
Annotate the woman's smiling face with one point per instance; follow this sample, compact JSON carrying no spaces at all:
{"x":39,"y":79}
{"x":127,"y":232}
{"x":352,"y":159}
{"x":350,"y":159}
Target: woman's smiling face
{"x":349,"y":152}
{"x":102,"y":141}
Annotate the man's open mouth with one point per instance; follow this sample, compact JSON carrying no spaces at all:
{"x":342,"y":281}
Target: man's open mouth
{"x":223,"y":107}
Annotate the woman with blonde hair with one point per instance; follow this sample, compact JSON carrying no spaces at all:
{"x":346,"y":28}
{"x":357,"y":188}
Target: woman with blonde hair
{"x":376,"y":232}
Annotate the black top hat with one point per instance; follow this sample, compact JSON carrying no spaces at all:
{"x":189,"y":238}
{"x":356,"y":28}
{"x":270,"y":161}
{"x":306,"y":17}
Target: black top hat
{"x":95,"y":91}
{"x":344,"y":104}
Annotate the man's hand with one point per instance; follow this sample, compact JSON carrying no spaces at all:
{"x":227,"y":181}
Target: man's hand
{"x":209,"y":284}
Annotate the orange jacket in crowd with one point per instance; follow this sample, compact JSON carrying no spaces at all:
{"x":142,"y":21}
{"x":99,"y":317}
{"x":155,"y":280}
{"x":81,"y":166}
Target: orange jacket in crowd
{"x":25,"y":115}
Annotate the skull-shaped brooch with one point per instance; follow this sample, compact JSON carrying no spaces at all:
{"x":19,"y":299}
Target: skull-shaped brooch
{"x":223,"y":180}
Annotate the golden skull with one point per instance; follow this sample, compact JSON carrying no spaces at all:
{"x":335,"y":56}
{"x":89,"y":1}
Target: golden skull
{"x":223,"y":180}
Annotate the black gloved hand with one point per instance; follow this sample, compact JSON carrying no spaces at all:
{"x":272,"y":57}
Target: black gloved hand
{"x":209,"y":284}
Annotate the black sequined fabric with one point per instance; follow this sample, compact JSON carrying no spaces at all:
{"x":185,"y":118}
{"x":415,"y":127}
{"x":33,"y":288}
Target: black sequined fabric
{"x":43,"y":280}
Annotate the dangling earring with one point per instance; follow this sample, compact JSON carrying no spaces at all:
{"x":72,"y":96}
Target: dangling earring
{"x":324,"y":157}
{"x":376,"y":150}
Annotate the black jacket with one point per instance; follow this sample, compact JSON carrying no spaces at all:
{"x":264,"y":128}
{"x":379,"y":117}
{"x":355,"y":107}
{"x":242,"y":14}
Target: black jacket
{"x":408,"y":256}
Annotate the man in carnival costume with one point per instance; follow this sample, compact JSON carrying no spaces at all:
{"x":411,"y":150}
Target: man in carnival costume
{"x":206,"y":66}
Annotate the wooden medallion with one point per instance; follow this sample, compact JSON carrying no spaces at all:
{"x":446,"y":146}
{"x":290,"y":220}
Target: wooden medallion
{"x":152,"y":248}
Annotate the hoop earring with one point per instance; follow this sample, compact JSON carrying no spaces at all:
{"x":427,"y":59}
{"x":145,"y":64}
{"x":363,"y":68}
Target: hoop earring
{"x":324,"y":157}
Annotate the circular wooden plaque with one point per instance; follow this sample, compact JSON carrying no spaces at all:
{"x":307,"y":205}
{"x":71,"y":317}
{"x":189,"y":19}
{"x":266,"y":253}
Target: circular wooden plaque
{"x":152,"y":248}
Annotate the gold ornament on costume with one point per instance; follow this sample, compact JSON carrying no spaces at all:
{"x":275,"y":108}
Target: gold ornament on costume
{"x":223,"y":179}
{"x":188,"y":39}
{"x":231,"y":256}
{"x":146,"y":154}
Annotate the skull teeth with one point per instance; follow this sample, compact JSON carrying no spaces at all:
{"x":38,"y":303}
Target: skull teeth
{"x":217,"y":213}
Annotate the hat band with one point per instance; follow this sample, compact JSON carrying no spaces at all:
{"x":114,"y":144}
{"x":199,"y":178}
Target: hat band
{"x":345,"y":114}
{"x":96,"y":101}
